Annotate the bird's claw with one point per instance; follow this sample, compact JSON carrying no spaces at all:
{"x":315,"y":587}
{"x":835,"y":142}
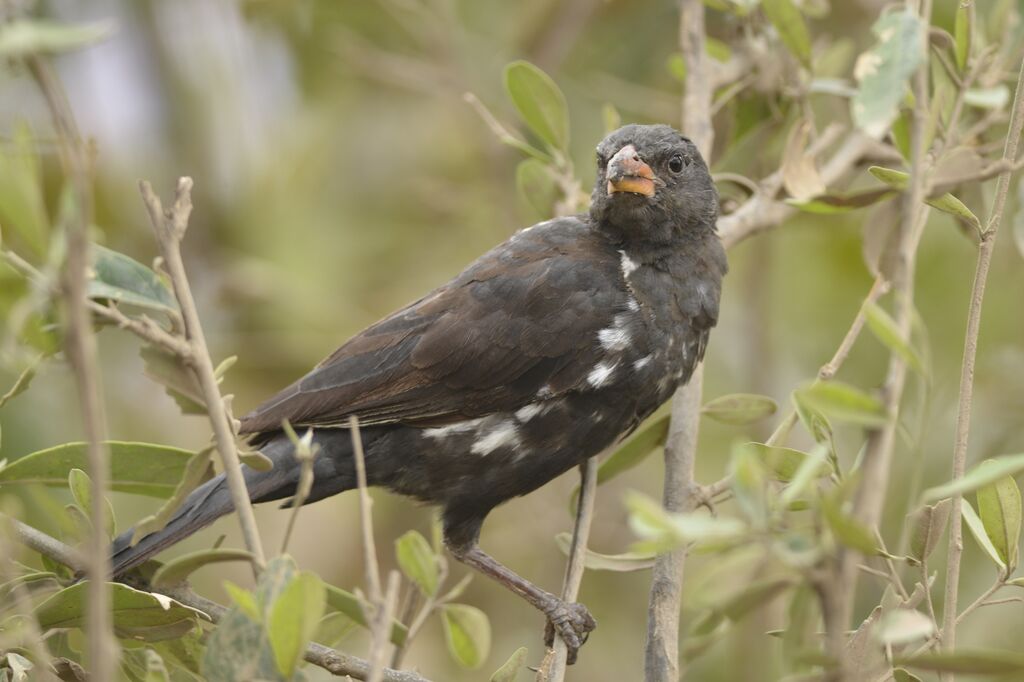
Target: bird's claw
{"x":573,"y":623}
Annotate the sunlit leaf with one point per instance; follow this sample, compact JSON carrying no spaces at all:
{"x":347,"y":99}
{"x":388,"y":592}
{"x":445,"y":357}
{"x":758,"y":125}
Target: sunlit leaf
{"x":24,"y":37}
{"x":843,"y":402}
{"x":244,"y":600}
{"x":988,"y":98}
{"x":418,"y":562}
{"x":786,"y":19}
{"x":883,"y":71}
{"x":903,"y":626}
{"x":977,"y":529}
{"x":999,"y":507}
{"x":467,"y":631}
{"x":294,"y":618}
{"x":621,"y":563}
{"x":987,"y":472}
{"x":540,"y":102}
{"x":739,"y":408}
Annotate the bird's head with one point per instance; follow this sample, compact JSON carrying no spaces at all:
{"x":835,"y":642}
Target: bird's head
{"x":652,"y":185}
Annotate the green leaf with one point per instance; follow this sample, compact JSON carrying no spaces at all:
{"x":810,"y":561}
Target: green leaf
{"x":510,"y":668}
{"x":847,"y":530}
{"x":962,"y":36}
{"x":994,"y":98}
{"x":901,"y":675}
{"x":140,"y":468}
{"x":22,"y":205}
{"x":536,"y":186}
{"x":783,"y":462}
{"x":539,"y":102}
{"x":81,"y":490}
{"x":467,"y":632}
{"x":927,"y":525}
{"x":118,"y":278}
{"x":25,"y":37}
{"x":987,"y":472}
{"x":946,"y":203}
{"x":176,"y":377}
{"x":418,"y":562}
{"x":663,"y":531}
{"x":968,"y":661}
{"x":887,"y":331}
{"x":156,"y":671}
{"x":999,"y":507}
{"x":977,"y":529}
{"x":612,"y":121}
{"x":787,"y":20}
{"x":829,"y":204}
{"x":294,"y":618}
{"x":739,"y":408}
{"x":244,"y":600}
{"x":196,"y":471}
{"x":136,"y":614}
{"x":843,"y":402}
{"x":349,"y":604}
{"x":903,"y":626}
{"x":620,"y":563}
{"x":20,"y":384}
{"x":808,"y":470}
{"x":676,"y":66}
{"x":883,"y":71}
{"x":179,"y":568}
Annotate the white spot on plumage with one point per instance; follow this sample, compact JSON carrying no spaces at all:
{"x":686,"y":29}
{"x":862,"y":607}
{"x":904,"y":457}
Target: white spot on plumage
{"x":528,"y":412}
{"x":613,"y":338}
{"x":628,"y":265}
{"x":601,"y":373}
{"x":545,"y":391}
{"x":642,"y":362}
{"x":504,"y":433}
{"x":632,"y":304}
{"x":452,"y":429}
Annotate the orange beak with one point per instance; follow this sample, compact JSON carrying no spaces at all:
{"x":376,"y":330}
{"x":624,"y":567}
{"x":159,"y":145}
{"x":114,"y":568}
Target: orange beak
{"x":628,"y":173}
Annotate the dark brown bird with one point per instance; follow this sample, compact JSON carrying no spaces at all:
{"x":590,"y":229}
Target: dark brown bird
{"x":542,"y":353}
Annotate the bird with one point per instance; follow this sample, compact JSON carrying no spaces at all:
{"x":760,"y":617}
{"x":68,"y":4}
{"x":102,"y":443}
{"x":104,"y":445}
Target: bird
{"x":542,"y":353}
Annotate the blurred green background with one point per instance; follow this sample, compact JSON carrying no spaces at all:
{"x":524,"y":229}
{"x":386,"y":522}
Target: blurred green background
{"x":339,"y":174}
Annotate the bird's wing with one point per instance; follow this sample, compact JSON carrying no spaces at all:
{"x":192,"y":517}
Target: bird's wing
{"x":519,"y":323}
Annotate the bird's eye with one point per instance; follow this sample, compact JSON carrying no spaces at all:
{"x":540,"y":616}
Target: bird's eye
{"x":677,"y":162}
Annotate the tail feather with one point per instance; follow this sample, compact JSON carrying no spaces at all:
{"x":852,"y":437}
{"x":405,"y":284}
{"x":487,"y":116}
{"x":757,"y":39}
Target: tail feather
{"x":209,"y":502}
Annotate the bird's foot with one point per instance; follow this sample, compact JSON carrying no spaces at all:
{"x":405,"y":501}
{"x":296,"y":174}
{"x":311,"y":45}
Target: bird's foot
{"x":572,"y":622}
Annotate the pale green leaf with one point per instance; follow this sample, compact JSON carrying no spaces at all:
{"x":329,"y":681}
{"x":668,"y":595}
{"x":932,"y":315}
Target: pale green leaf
{"x":787,"y":20}
{"x":179,"y":568}
{"x":536,"y":186}
{"x":967,"y":661}
{"x":244,"y":600}
{"x":784,"y":462}
{"x":24,"y":37}
{"x":962,"y":35}
{"x":349,"y":604}
{"x":999,"y":506}
{"x":294,"y":618}
{"x":196,"y":471}
{"x":828,"y":204}
{"x":539,"y":102}
{"x":620,"y":563}
{"x":847,"y":530}
{"x":22,"y":204}
{"x":843,"y":402}
{"x":946,"y":203}
{"x":118,"y":278}
{"x":977,"y":529}
{"x":739,"y":408}
{"x":20,"y":384}
{"x":887,"y":331}
{"x":884,"y":70}
{"x":510,"y":668}
{"x":978,"y":476}
{"x":995,"y":98}
{"x":903,"y":626}
{"x":418,"y":562}
{"x":927,"y":525}
{"x":467,"y":631}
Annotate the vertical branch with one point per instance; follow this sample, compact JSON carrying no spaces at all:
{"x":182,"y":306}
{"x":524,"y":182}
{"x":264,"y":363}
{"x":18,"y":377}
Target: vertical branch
{"x":963,"y":416}
{"x":169,"y":227}
{"x":661,"y":655}
{"x":554,"y":665}
{"x":80,"y":346}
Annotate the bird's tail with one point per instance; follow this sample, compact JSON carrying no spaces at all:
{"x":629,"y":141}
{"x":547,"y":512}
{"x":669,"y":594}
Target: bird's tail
{"x":210,"y":501}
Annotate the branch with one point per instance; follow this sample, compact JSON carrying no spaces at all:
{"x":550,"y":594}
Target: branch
{"x":552,"y":669}
{"x":169,"y":227}
{"x":963,"y":416}
{"x":661,"y":649}
{"x":333,"y":661}
{"x":80,"y":346}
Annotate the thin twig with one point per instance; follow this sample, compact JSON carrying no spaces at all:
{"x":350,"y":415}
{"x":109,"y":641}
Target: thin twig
{"x":553,"y":670}
{"x":80,"y":345}
{"x":963,"y":416}
{"x":829,"y":369}
{"x":169,"y":227}
{"x":333,"y":661}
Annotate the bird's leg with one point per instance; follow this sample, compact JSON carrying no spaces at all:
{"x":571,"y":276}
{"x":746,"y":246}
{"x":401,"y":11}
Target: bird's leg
{"x":571,"y":621}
